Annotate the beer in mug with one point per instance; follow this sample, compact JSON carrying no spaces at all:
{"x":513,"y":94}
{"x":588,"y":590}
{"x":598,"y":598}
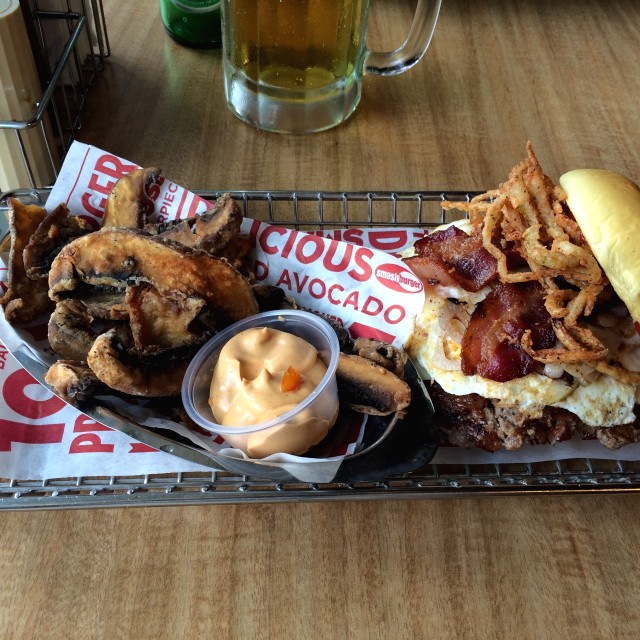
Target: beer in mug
{"x":296,"y":65}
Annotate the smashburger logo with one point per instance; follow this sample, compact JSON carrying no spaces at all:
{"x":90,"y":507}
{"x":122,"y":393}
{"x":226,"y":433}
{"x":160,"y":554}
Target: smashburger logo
{"x":398,"y":278}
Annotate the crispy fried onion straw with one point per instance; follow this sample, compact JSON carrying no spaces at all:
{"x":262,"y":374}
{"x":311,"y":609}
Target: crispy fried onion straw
{"x":527,"y":215}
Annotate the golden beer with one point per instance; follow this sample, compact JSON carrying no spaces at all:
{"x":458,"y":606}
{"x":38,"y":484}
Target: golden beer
{"x":296,"y":44}
{"x":296,"y":66}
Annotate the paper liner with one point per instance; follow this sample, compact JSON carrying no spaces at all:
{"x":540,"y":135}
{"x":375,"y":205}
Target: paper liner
{"x":76,"y":445}
{"x":371,"y":292}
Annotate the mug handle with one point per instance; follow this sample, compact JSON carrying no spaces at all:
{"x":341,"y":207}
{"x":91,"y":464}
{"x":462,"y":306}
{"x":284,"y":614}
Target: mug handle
{"x":415,"y":46}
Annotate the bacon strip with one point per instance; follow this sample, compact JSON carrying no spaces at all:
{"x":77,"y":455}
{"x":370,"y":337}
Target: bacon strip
{"x":491,"y":346}
{"x":450,"y":257}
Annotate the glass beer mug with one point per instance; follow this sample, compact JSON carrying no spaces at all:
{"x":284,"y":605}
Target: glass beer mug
{"x":296,"y":66}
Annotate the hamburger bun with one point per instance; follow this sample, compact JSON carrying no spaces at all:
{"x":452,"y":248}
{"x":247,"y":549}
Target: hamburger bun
{"x":606,"y":206}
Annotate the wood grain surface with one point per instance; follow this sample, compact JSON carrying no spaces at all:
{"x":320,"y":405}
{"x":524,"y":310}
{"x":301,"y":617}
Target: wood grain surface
{"x":562,"y":74}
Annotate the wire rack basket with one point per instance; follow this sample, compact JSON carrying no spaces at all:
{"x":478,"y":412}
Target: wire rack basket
{"x":307,"y":210}
{"x":69,"y":48}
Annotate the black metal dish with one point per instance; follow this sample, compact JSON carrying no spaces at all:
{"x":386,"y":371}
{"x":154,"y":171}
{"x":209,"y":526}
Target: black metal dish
{"x":398,"y":443}
{"x":392,"y":444}
{"x":408,"y":446}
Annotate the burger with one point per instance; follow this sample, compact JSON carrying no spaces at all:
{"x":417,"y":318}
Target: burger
{"x":530,"y":327}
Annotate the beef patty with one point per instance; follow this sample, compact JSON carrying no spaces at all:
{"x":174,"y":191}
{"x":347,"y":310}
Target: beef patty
{"x":471,"y":420}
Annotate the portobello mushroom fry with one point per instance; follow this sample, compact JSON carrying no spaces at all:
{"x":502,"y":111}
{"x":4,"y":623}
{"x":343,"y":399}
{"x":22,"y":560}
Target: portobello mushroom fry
{"x":128,"y":201}
{"x":25,"y":299}
{"x":107,"y":358}
{"x":119,"y":258}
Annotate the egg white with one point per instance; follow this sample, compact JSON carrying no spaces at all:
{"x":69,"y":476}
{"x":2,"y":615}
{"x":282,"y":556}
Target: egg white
{"x":605,"y":402}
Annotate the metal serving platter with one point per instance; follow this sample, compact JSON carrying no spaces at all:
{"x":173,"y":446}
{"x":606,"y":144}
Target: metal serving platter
{"x":386,"y":471}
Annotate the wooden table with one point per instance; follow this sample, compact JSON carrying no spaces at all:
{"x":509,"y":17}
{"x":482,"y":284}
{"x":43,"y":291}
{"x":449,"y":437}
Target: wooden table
{"x":564,"y":75}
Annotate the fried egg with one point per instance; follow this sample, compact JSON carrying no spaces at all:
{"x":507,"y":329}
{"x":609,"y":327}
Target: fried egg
{"x":436,"y":347}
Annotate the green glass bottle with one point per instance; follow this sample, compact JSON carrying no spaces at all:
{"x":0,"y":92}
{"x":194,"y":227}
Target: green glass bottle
{"x":193,"y":23}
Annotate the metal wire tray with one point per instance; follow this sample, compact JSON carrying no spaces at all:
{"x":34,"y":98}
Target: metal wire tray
{"x":64,"y":98}
{"x":323,"y":210}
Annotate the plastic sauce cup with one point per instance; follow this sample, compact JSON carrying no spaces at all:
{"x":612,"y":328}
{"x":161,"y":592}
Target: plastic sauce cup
{"x":294,"y":432}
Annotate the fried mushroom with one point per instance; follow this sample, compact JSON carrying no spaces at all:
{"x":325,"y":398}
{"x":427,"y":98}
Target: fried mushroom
{"x":128,"y":201}
{"x":121,"y":257}
{"x":217,"y":231}
{"x":57,"y":229}
{"x":369,"y":388}
{"x":25,"y":299}
{"x":381,"y":353}
{"x":69,"y":330}
{"x":73,"y":381}
{"x":160,"y":319}
{"x":109,"y":361}
{"x":106,"y":304}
